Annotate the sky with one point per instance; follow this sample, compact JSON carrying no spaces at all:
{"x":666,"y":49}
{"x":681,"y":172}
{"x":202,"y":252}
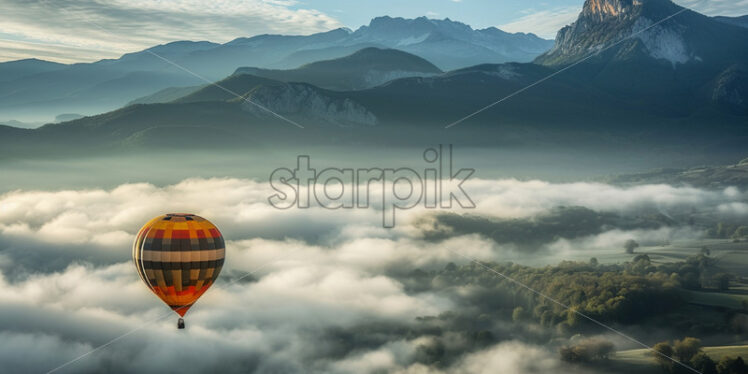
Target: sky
{"x":87,"y":30}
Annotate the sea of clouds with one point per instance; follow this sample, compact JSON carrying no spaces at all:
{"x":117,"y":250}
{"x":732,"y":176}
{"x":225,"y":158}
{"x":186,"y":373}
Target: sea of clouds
{"x":67,"y":285}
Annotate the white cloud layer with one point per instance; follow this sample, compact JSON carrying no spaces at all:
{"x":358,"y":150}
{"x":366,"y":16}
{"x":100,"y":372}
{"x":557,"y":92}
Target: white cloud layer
{"x":66,"y":284}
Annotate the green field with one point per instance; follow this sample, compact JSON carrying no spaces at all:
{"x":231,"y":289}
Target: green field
{"x":645,"y":358}
{"x":717,"y":299}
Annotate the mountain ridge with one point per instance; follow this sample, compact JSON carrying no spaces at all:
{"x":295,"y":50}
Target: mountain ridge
{"x":445,"y":43}
{"x":13,"y":70}
{"x":365,"y":68}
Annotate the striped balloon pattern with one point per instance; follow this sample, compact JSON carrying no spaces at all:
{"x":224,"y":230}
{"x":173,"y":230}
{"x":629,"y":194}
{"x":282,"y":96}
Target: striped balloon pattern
{"x":179,"y":256}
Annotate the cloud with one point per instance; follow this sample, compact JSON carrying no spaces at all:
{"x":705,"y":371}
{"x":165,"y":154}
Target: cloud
{"x":544,"y":23}
{"x":15,"y":347}
{"x":269,"y":325}
{"x":730,"y":8}
{"x":95,"y":225}
{"x":511,"y":357}
{"x":100,"y":30}
{"x":67,"y":284}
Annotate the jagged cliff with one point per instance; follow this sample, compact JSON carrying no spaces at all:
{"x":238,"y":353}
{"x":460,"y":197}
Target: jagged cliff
{"x":605,"y":22}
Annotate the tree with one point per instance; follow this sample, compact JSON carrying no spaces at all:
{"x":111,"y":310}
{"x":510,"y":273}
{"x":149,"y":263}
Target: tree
{"x":686,"y":349}
{"x":740,"y":232}
{"x":722,"y":281}
{"x":703,"y":363}
{"x":663,"y":355}
{"x":729,"y":365}
{"x":574,"y":354}
{"x":706,"y":251}
{"x":572,"y":317}
{"x":630,"y":245}
{"x":587,"y":350}
{"x":518,"y":314}
{"x":601,"y":349}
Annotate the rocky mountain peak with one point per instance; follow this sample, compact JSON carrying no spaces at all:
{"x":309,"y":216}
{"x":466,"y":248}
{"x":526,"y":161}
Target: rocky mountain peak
{"x":604,"y":22}
{"x":600,"y":10}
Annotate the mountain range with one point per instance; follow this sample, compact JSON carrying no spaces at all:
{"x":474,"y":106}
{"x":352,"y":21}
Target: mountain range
{"x":629,"y":79}
{"x":365,"y":68}
{"x":30,"y":89}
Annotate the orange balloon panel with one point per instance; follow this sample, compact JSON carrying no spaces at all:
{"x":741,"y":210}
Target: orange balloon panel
{"x":179,"y":256}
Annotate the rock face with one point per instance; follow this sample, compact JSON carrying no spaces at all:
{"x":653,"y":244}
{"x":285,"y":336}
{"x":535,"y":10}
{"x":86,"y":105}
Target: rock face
{"x":600,"y":10}
{"x":306,"y":101}
{"x":605,"y":22}
{"x":656,"y":49}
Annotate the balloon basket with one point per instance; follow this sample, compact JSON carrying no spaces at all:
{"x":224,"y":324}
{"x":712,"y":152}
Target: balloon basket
{"x":180,"y":324}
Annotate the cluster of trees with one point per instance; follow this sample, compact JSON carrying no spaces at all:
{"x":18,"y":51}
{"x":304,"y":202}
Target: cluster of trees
{"x":724,"y":230}
{"x":588,"y":350}
{"x":638,"y":292}
{"x":684,"y":355}
{"x":629,"y":293}
{"x":697,"y":272}
{"x":610,"y":293}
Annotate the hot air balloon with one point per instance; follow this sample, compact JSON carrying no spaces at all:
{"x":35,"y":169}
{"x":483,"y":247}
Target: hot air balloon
{"x":179,"y":256}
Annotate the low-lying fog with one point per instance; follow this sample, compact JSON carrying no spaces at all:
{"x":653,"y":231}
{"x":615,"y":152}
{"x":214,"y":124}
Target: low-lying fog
{"x":558,"y":164}
{"x":320,"y":278}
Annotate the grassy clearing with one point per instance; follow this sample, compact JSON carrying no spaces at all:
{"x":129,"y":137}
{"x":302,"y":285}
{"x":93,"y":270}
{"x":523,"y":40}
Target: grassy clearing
{"x":716,"y":299}
{"x":641,"y":357}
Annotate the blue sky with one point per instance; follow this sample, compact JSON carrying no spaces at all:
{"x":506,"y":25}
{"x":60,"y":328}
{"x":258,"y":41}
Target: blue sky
{"x":88,"y":30}
{"x":477,"y":13}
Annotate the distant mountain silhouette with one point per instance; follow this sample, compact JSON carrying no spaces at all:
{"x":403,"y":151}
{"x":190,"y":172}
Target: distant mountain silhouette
{"x":366,"y":68}
{"x":29,"y":94}
{"x":12,"y":70}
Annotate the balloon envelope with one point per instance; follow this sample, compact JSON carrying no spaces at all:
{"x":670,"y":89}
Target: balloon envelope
{"x":179,"y":256}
